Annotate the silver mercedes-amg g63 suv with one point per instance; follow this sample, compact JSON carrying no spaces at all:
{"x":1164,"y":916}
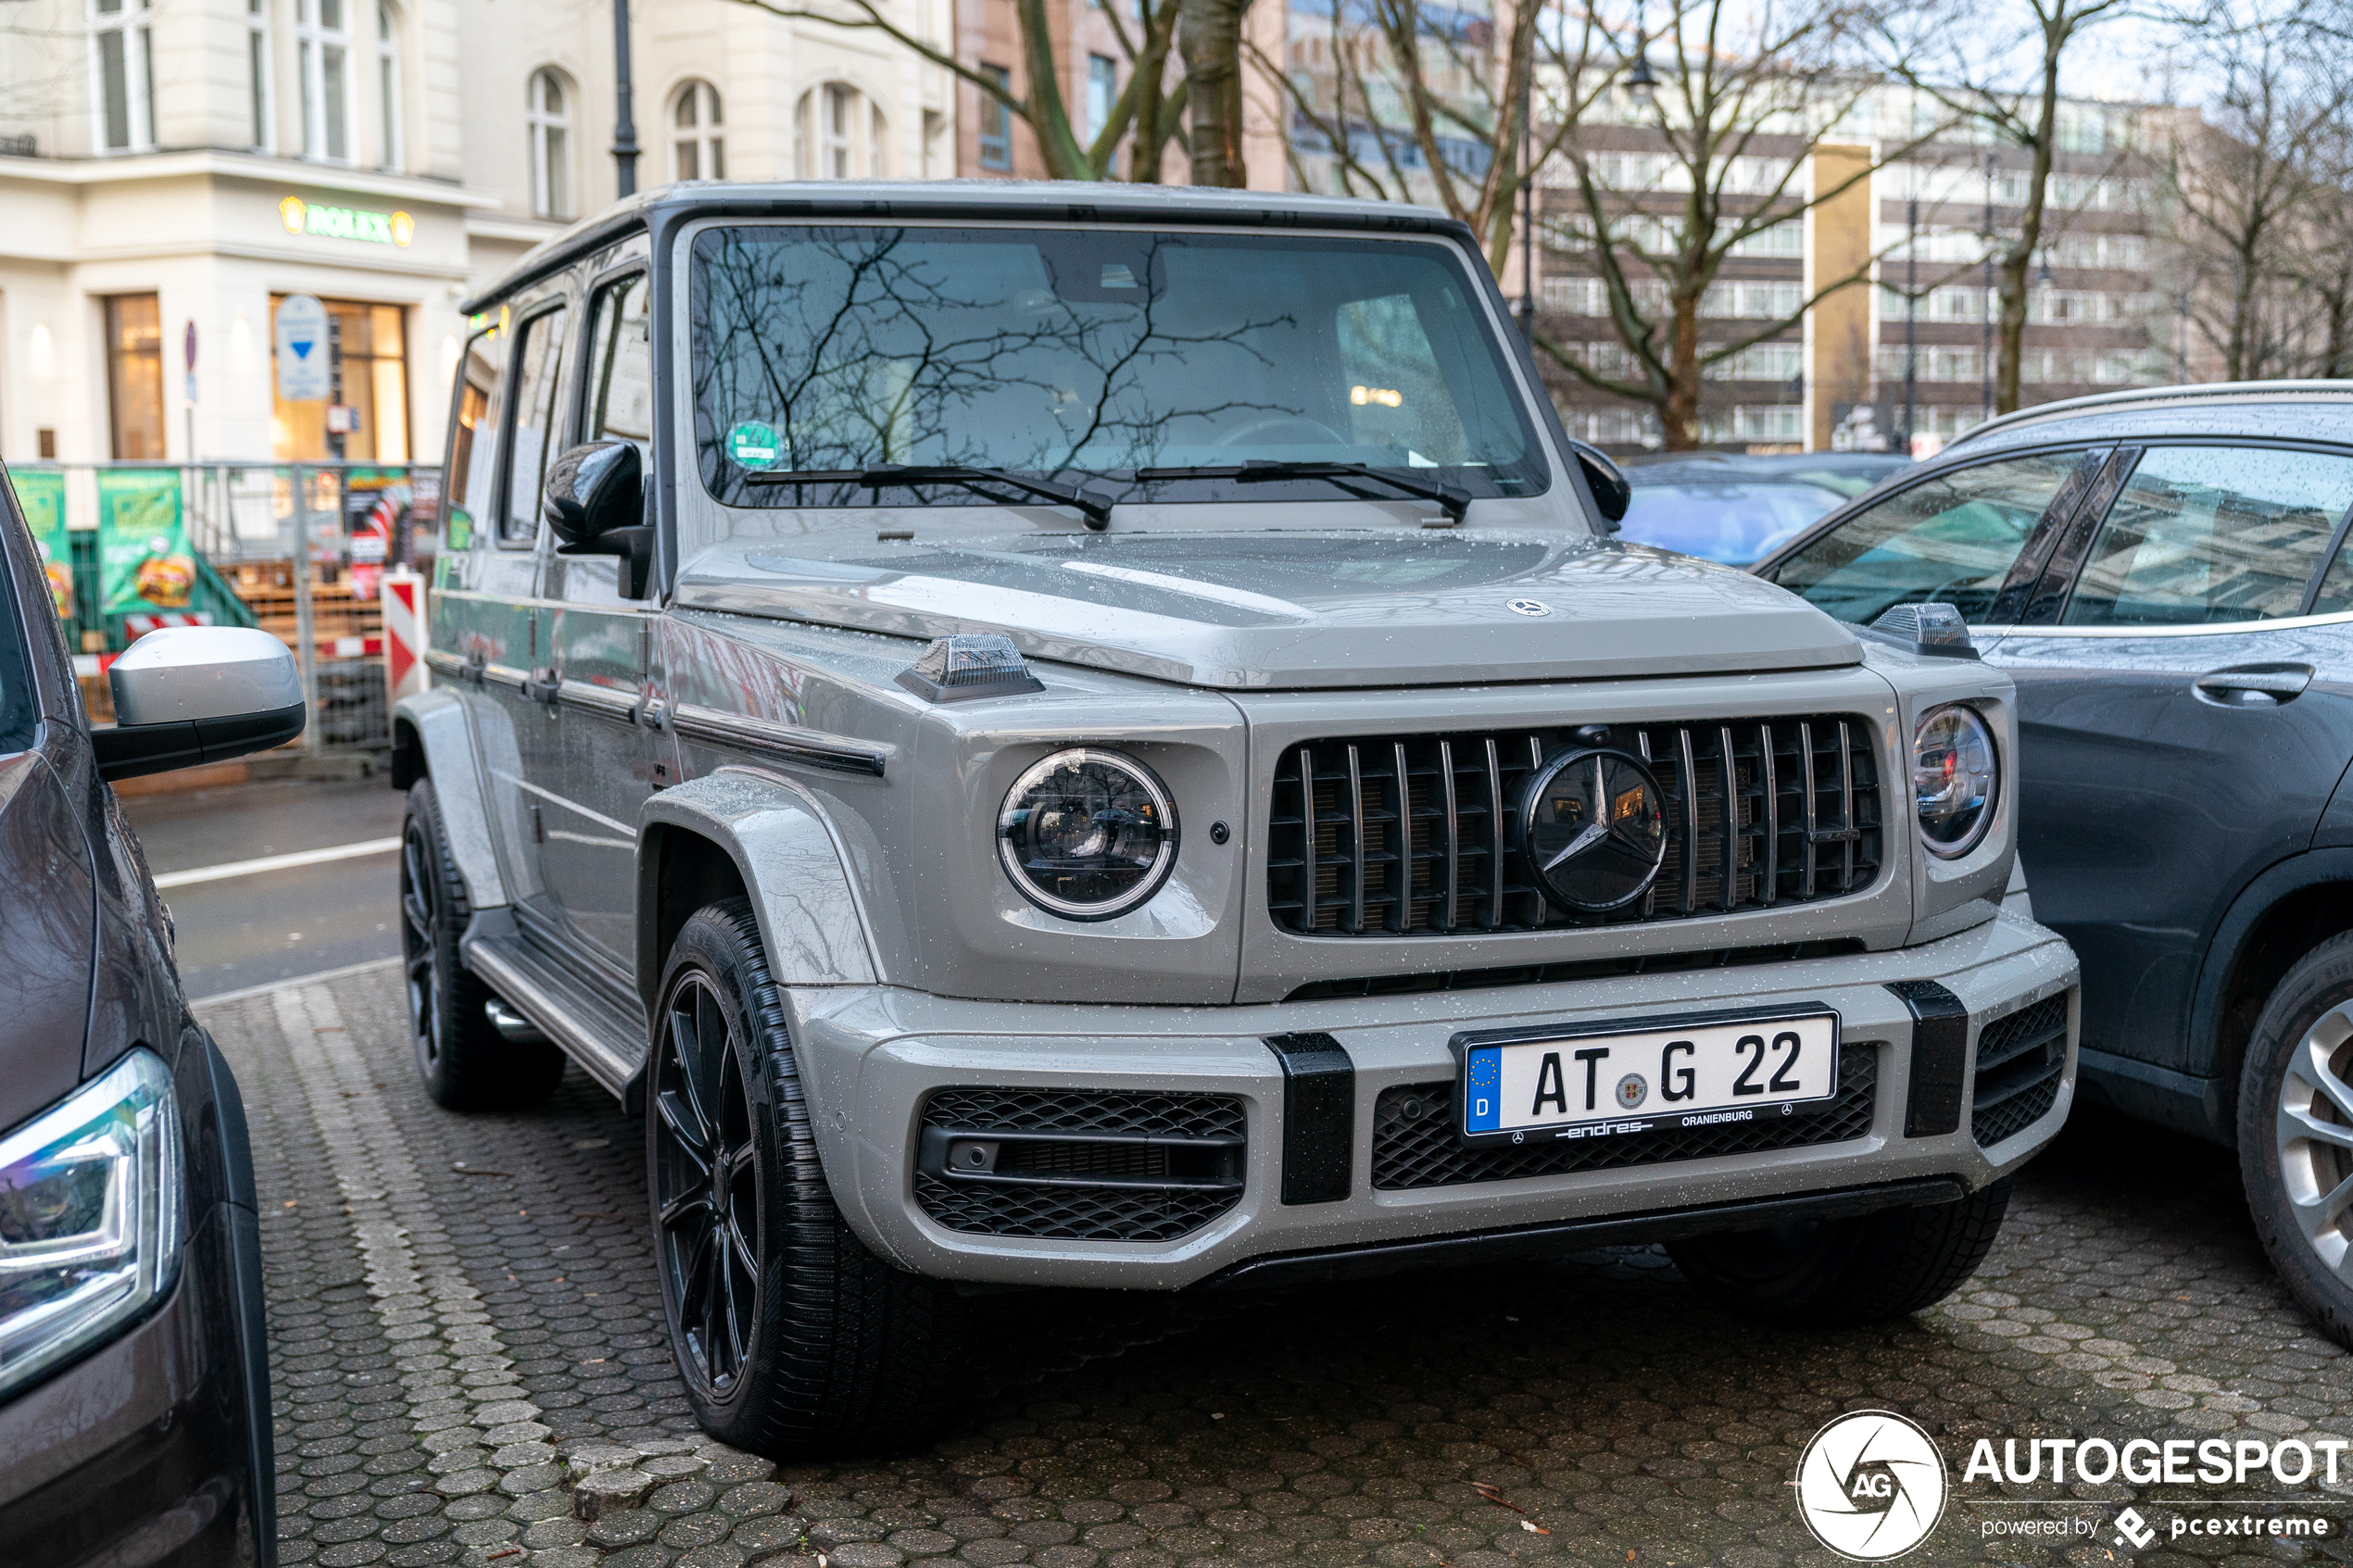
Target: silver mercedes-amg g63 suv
{"x":1099,"y":736}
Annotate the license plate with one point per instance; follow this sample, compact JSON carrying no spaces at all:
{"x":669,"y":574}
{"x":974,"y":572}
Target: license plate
{"x":1525,"y":1084}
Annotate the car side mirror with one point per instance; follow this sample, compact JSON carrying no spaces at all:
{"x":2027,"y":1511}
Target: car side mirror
{"x":1612,"y":492}
{"x":595,"y":502}
{"x":190,"y":695}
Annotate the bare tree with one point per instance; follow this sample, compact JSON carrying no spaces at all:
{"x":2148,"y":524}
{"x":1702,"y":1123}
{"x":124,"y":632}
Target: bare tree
{"x":1210,"y":36}
{"x":2319,"y":252}
{"x":1146,"y":104}
{"x":2244,"y":175}
{"x":1958,"y":52}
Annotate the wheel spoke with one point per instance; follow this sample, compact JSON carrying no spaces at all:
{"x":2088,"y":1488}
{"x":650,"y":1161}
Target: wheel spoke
{"x":417,"y":918}
{"x":713,"y":1287}
{"x":692,"y":1205}
{"x":739,"y":1285}
{"x":740,"y":1245}
{"x":685,"y":1128}
{"x":2296,"y":1123}
{"x":713,"y":1055}
{"x":2311,"y":1063}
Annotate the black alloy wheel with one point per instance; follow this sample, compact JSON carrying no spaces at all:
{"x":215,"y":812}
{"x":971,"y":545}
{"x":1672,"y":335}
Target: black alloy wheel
{"x":465,"y":1063}
{"x":707,"y":1184}
{"x":795,"y":1341}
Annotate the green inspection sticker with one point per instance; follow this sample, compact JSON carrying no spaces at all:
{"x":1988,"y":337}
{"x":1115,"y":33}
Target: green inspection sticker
{"x":753,"y":444}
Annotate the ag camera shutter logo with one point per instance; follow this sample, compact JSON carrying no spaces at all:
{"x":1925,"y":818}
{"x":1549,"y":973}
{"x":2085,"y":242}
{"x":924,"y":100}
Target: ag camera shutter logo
{"x":1872,"y":1485}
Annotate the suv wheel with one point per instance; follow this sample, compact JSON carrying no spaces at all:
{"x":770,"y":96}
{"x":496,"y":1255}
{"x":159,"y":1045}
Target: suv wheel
{"x":2296,"y":1133}
{"x":1833,"y":1273}
{"x":794,"y":1340}
{"x":467,"y":1065}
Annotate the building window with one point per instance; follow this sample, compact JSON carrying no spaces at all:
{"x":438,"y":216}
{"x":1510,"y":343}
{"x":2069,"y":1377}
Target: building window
{"x":134,"y":374}
{"x":840,"y":133}
{"x":550,"y":114}
{"x":123,"y":51}
{"x":322,"y":49}
{"x":366,"y":377}
{"x":935,"y":134}
{"x":388,"y":84}
{"x":1102,"y":91}
{"x":995,"y":122}
{"x":257,"y":72}
{"x":699,"y":152}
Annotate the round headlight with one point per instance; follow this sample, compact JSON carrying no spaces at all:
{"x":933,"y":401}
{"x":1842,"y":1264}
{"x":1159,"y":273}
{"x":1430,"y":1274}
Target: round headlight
{"x":1087,"y":834}
{"x":1955,"y":777}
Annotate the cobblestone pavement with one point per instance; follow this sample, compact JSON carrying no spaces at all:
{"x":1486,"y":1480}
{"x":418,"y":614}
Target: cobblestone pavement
{"x":469,"y":1368}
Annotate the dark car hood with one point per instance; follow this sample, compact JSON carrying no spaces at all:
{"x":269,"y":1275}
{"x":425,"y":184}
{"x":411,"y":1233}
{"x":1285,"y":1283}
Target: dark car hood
{"x":1296,"y":609}
{"x":46,"y":909}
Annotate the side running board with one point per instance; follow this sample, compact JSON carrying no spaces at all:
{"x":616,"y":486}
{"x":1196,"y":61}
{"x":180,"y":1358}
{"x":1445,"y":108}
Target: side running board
{"x":588,"y":1028}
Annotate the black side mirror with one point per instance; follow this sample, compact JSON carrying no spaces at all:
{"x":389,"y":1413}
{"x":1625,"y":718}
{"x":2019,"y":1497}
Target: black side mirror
{"x":596,"y":504}
{"x":1607,"y":481}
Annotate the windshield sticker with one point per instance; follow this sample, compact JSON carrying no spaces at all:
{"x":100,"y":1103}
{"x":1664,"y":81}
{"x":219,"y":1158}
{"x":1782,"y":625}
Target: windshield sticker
{"x":753,"y":444}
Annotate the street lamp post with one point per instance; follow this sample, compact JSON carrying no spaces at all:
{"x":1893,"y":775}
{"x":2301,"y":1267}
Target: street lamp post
{"x":625,"y":130}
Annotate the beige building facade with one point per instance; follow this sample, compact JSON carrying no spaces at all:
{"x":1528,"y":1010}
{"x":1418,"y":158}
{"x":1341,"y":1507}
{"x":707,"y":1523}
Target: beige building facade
{"x":172,"y":171}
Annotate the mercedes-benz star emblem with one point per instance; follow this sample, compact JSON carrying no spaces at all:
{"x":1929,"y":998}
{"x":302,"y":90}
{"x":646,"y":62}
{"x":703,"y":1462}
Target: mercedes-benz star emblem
{"x":1529,"y":607}
{"x":1595,"y":830}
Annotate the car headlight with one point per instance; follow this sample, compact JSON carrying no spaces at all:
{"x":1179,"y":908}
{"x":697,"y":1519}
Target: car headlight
{"x":91,"y":1217}
{"x":1956,"y":776}
{"x":1087,"y":834}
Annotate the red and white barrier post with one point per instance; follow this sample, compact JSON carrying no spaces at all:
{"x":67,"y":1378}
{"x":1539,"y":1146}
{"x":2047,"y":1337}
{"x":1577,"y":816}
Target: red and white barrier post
{"x":402,"y":594}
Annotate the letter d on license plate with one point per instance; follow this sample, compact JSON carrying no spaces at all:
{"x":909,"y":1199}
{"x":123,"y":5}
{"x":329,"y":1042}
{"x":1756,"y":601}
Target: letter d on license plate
{"x":1522,"y":1085}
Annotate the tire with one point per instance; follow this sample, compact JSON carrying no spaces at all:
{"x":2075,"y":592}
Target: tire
{"x":2296,"y":1133}
{"x":1837,"y":1274}
{"x":467,"y":1065}
{"x":794,"y":1341}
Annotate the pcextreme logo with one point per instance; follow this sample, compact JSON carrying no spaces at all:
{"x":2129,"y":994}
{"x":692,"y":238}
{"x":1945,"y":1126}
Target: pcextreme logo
{"x":1872,"y":1485}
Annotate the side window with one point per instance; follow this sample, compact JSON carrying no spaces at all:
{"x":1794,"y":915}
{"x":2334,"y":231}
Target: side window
{"x":620,"y":365}
{"x":538,"y":370}
{"x":2335,"y":596}
{"x":473,"y":436}
{"x":2201,"y":535}
{"x":1948,"y":540}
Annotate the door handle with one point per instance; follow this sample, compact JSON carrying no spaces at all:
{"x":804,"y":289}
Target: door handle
{"x":2255,"y":685}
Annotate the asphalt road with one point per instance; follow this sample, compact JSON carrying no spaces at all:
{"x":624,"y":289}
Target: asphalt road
{"x":242,"y":931}
{"x":465,"y":1329}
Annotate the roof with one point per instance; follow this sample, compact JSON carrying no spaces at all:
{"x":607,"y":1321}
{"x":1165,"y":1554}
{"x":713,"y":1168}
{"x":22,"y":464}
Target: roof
{"x":1060,"y":201}
{"x":2319,"y":410}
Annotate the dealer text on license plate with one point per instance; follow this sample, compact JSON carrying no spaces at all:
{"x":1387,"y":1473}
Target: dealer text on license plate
{"x":1552,"y":1084}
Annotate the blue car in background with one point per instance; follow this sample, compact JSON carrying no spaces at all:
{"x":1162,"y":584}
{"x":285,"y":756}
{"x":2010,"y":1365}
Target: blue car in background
{"x":1735,"y":509}
{"x":2164,"y":575}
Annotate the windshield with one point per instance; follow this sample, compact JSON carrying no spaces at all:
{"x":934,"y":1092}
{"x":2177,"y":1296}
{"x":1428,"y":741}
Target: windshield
{"x":1083,"y":356}
{"x":1735,"y":523}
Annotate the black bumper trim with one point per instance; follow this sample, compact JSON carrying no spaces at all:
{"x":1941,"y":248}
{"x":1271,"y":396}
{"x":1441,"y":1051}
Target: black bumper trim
{"x":1940,"y":1058}
{"x":1319,"y":1117}
{"x":1339,"y":1264}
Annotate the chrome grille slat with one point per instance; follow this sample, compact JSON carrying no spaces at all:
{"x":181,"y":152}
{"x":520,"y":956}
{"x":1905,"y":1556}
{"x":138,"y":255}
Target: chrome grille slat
{"x":1353,"y":852}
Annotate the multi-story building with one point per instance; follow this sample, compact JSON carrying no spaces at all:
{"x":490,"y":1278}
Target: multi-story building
{"x":172,"y":169}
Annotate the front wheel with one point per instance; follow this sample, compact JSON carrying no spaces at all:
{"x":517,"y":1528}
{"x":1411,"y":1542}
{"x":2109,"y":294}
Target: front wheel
{"x":1836,"y":1273}
{"x":2296,"y":1133}
{"x":794,"y":1340}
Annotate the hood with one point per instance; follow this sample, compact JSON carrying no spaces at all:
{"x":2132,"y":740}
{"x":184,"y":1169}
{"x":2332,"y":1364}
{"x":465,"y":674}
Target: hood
{"x":1295,"y":610}
{"x":45,"y":930}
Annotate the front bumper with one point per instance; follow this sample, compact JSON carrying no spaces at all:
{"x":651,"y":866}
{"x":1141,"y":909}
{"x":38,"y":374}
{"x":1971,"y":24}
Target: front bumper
{"x":871,"y":1057}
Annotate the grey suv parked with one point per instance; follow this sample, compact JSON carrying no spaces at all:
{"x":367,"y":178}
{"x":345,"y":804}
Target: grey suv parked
{"x":1100,"y":739}
{"x":2163,"y":574}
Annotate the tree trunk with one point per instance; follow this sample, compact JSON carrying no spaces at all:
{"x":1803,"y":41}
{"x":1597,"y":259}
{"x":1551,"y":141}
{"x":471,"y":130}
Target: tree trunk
{"x":1210,"y":37}
{"x":1679,"y":416}
{"x":1049,"y":116}
{"x":2009,"y":329}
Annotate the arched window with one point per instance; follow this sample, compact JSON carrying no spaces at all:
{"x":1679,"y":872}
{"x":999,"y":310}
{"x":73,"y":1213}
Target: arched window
{"x":388,"y":84}
{"x":699,"y":152}
{"x":322,"y":46}
{"x":840,"y":133}
{"x":548,"y":110}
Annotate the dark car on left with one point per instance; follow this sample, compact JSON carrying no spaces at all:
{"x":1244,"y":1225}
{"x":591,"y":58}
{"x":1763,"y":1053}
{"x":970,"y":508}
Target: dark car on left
{"x":134,"y":1390}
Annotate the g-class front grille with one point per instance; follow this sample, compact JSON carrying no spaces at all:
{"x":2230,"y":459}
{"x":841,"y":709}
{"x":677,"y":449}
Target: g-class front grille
{"x":1415,"y":1146}
{"x":1413,"y":836}
{"x":2021,"y":1057}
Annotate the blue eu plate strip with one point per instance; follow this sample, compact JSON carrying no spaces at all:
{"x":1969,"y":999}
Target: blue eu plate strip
{"x":1482,"y":1104}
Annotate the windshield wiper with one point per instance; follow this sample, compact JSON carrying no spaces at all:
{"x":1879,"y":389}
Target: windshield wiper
{"x":1093,"y":504}
{"x":1455,"y":499}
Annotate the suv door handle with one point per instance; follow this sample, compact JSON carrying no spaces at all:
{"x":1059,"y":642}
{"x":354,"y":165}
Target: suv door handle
{"x":2255,"y":685}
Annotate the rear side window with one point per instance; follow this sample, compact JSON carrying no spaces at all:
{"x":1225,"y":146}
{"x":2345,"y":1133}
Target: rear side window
{"x":539,"y":362}
{"x":620,"y":365}
{"x":473,"y":434}
{"x":18,"y":708}
{"x":1948,"y":540}
{"x":2201,"y":535}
